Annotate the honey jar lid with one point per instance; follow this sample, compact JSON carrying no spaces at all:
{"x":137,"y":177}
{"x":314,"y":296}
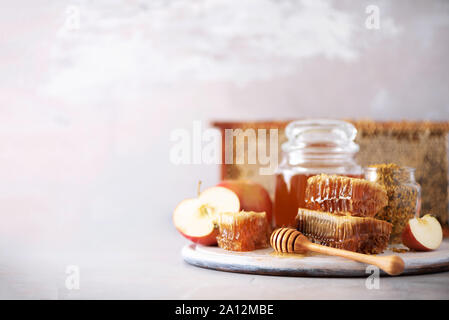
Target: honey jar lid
{"x":321,"y":136}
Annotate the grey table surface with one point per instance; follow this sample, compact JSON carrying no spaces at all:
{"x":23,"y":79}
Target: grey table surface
{"x":146,"y":269}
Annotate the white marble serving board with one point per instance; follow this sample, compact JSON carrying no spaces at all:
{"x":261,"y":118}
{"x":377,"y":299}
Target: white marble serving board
{"x":267,"y":262}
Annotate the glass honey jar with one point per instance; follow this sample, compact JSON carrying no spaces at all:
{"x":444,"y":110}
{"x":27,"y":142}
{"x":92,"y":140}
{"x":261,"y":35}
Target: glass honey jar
{"x":313,"y":147}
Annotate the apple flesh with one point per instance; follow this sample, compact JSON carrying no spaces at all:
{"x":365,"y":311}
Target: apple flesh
{"x":195,"y":218}
{"x":252,"y":196}
{"x":423,"y":234}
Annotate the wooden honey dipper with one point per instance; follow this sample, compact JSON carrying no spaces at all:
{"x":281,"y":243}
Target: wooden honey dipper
{"x":292,"y":241}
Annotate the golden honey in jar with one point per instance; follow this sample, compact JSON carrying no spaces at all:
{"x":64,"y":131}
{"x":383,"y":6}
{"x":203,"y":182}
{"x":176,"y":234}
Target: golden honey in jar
{"x":313,"y":147}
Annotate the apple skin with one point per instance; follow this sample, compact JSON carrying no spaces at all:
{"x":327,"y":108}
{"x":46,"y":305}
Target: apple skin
{"x":409,"y":240}
{"x":208,"y":240}
{"x":252,"y":196}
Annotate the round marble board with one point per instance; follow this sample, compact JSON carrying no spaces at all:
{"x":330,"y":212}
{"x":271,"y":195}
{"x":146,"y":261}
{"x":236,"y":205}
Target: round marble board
{"x":267,"y":262}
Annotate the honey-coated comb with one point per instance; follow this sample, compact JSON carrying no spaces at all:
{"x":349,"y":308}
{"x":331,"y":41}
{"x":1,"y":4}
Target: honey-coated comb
{"x":243,"y":231}
{"x":344,"y":195}
{"x":359,"y":234}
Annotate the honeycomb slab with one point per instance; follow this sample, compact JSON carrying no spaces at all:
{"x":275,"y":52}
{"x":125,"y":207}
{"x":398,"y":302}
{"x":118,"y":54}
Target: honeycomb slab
{"x":243,"y":231}
{"x":345,"y":195}
{"x":359,"y":234}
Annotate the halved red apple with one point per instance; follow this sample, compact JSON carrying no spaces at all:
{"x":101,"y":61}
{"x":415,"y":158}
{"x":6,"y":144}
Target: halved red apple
{"x":423,"y":234}
{"x":195,"y":218}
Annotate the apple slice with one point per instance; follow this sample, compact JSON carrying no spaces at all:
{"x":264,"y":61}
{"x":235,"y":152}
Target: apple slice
{"x":423,"y":234}
{"x":194,"y":223}
{"x":195,"y":218}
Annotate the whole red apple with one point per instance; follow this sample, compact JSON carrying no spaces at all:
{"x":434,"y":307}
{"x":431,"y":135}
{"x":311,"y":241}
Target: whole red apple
{"x":252,"y":196}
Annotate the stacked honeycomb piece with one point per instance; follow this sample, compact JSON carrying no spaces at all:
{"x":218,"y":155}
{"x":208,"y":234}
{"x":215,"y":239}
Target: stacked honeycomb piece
{"x":357,"y":197}
{"x":339,"y":213}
